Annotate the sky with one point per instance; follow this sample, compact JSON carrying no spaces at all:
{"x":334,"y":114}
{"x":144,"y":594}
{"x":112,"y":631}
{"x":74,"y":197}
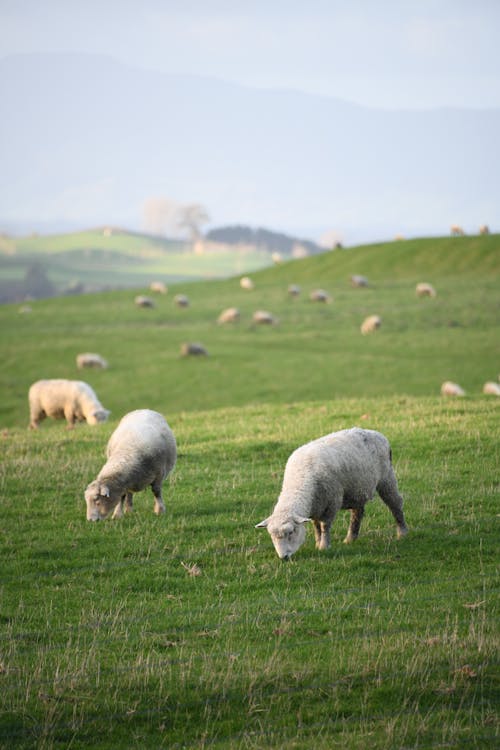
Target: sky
{"x":392,"y":54}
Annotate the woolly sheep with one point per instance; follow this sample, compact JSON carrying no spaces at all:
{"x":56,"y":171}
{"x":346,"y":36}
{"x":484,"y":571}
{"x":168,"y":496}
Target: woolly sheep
{"x":246,"y":283}
{"x":319,"y":295}
{"x":73,"y":400}
{"x":451,"y":389}
{"x":456,"y":230}
{"x":370,"y":324}
{"x":159,"y":287}
{"x":230,"y":315}
{"x":293,"y":290}
{"x":484,"y":229}
{"x":263,"y":317}
{"x":181,"y":300}
{"x":359,"y":282}
{"x":423,"y":289}
{"x":142,"y":301}
{"x":92,"y":360}
{"x":491,"y":388}
{"x":141,"y":452}
{"x":192,"y":349}
{"x":342,"y":470}
{"x":276,"y":258}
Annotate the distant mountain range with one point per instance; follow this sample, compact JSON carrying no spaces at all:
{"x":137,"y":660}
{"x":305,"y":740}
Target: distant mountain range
{"x":85,"y":140}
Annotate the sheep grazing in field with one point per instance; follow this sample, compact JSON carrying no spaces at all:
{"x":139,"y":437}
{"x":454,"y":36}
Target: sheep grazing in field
{"x":370,"y":324}
{"x":276,"y":258}
{"x":294,"y":290}
{"x":451,"y":389}
{"x":181,"y":300}
{"x":456,"y":230}
{"x":140,"y":453}
{"x":342,"y":470}
{"x":484,"y":229}
{"x":193,"y":350}
{"x":230,"y":315}
{"x":143,"y":301}
{"x":425,"y":290}
{"x":263,"y":317}
{"x":90,"y":360}
{"x":491,"y":389}
{"x":159,"y":287}
{"x":319,"y":295}
{"x":358,"y":282}
{"x":246,"y":283}
{"x":72,"y":400}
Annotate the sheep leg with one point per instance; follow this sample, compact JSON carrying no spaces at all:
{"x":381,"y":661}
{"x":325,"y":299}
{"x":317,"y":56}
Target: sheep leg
{"x":118,"y":511}
{"x":356,"y":518}
{"x":129,"y":506}
{"x":388,"y":491}
{"x":159,"y":504}
{"x":322,"y":533}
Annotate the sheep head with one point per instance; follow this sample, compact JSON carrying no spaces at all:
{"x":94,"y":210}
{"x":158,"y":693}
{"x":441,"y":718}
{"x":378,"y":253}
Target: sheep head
{"x":287,"y":535}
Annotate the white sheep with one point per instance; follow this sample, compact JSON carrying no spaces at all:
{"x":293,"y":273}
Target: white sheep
{"x":141,"y":452}
{"x":484,"y":229}
{"x":159,"y":287}
{"x":342,"y":470}
{"x":276,"y":258}
{"x":193,"y":349}
{"x":246,"y":283}
{"x":319,"y":295}
{"x":142,"y":301}
{"x":230,"y":315}
{"x":92,"y":360}
{"x":181,"y":300}
{"x":263,"y":317}
{"x":423,"y":289}
{"x":358,"y":281}
{"x":456,"y":230}
{"x":370,"y":324}
{"x":491,"y":388}
{"x":73,"y":400}
{"x":448,"y":388}
{"x":293,"y":290}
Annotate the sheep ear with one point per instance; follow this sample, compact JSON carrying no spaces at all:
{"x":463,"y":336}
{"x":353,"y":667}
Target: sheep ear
{"x":301,"y":519}
{"x":262,"y":524}
{"x":104,"y":491}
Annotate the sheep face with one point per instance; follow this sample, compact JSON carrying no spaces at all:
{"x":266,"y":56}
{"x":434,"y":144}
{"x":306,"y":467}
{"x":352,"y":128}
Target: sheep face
{"x":286,"y":536}
{"x":100,"y":415}
{"x":100,"y":501}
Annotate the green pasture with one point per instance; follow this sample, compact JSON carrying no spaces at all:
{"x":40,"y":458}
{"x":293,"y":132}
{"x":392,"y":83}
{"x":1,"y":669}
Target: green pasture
{"x":186,"y":631}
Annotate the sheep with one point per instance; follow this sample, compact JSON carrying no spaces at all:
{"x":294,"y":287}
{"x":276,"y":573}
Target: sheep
{"x":484,"y":229}
{"x":276,"y":258}
{"x":371,"y":324}
{"x":423,"y":289}
{"x":191,"y":349}
{"x":90,"y":359}
{"x":451,"y":389}
{"x":141,"y":452}
{"x":456,"y":230}
{"x":159,"y":287}
{"x":263,"y":317}
{"x":230,"y":315}
{"x":246,"y":283}
{"x":73,"y":400}
{"x":341,"y":470}
{"x":181,"y":300}
{"x":294,"y":290}
{"x":491,"y":388}
{"x":359,"y":282}
{"x":142,"y":301}
{"x":319,"y":295}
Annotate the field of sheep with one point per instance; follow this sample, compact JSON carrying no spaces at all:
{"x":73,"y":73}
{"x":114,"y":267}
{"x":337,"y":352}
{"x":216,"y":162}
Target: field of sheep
{"x":186,"y":630}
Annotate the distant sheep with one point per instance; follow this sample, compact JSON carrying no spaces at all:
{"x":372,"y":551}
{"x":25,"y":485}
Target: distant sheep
{"x":294,"y":290}
{"x":181,"y":300}
{"x":90,"y":360}
{"x":491,"y":389}
{"x":142,"y":301}
{"x":370,"y":324}
{"x":319,"y":295}
{"x":159,"y":287}
{"x":263,"y":317}
{"x":358,"y":281}
{"x":456,"y":230}
{"x":276,"y":258}
{"x":425,"y":290}
{"x":230,"y":315}
{"x":72,"y":400}
{"x":342,"y":470}
{"x":246,"y":283}
{"x":484,"y":229}
{"x":451,"y":389}
{"x":140,"y":453}
{"x":192,"y":349}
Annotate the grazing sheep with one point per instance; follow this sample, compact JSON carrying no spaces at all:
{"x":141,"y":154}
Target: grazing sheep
{"x":264,"y":318}
{"x":342,"y":470}
{"x":319,"y":295}
{"x":140,"y":453}
{"x":359,"y":282}
{"x":370,"y":324}
{"x":72,"y":400}
{"x":484,"y":229}
{"x":246,"y":283}
{"x":181,"y":300}
{"x":425,"y":290}
{"x":159,"y":287}
{"x":92,"y":360}
{"x":142,"y":301}
{"x":491,"y":389}
{"x":230,"y":315}
{"x":451,"y":389}
{"x":456,"y":230}
{"x":293,"y":290}
{"x":191,"y":349}
{"x":276,"y":258}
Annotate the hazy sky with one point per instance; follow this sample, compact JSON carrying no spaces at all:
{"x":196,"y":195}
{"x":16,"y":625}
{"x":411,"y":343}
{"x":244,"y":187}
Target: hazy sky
{"x":388,"y":53}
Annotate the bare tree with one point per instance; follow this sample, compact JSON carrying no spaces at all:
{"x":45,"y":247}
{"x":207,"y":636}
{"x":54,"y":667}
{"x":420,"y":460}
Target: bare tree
{"x":191,"y":217}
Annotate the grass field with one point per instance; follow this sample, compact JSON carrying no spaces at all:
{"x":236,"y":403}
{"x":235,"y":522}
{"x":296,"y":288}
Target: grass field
{"x":186,"y":631}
